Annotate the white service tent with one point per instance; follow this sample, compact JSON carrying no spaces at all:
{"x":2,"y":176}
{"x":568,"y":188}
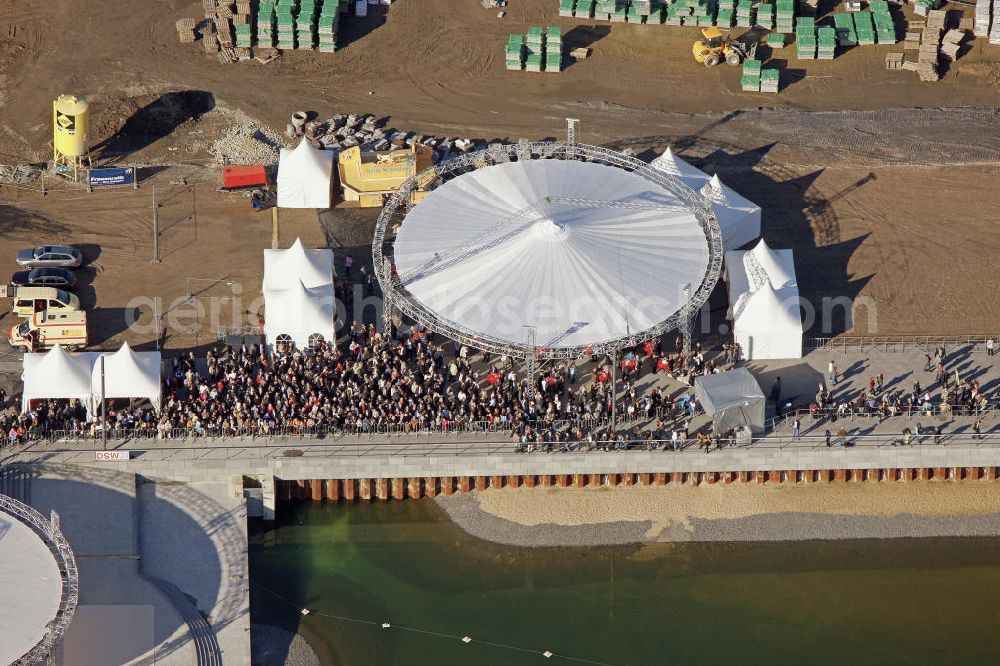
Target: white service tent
{"x":298,"y":294}
{"x":305,"y":177}
{"x":764,"y":302}
{"x":128,"y":374}
{"x":57,"y":374}
{"x":732,"y":399}
{"x":739,"y":218}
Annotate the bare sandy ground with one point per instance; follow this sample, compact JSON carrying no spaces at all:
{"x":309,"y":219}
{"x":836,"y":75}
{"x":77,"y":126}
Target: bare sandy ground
{"x":604,"y":516}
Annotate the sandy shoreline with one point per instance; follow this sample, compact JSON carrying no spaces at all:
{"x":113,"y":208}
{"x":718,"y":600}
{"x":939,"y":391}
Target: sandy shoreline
{"x":541,"y":517}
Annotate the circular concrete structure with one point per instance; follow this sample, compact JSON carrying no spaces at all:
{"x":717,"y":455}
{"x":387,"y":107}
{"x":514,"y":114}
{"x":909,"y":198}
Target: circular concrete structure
{"x":37,"y":604}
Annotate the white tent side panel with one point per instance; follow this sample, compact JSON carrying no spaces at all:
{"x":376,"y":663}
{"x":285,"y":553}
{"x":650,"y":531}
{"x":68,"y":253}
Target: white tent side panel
{"x":299,"y":313}
{"x":768,"y":324}
{"x":305,"y":177}
{"x":57,"y":374}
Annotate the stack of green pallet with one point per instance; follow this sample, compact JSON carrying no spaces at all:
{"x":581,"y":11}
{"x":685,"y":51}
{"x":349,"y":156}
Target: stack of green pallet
{"x":923,"y":7}
{"x":244,"y":31}
{"x":784,"y":15}
{"x":305,"y":24}
{"x":843,"y":23}
{"x":284,"y":15}
{"x":584,"y":9}
{"x":534,"y":44}
{"x":642,"y":8}
{"x":603,"y":9}
{"x":266,"y":31}
{"x":745,"y":14}
{"x":769,"y":80}
{"x":826,"y":42}
{"x":750,"y":82}
{"x":805,"y":38}
{"x":885,"y":26}
{"x":567,"y":7}
{"x":725,"y":13}
{"x":864,"y":27}
{"x":327,"y":26}
{"x":765,"y":15}
{"x":632,"y":14}
{"x":553,"y":49}
{"x":776,"y":40}
{"x":515,"y":52}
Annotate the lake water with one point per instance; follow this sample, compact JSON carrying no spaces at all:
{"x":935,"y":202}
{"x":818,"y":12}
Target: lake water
{"x":354,"y":566}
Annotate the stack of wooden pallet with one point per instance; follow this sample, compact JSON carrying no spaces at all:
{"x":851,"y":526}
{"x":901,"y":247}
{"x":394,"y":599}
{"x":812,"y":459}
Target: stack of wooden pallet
{"x":186,"y":30}
{"x":951,"y":43}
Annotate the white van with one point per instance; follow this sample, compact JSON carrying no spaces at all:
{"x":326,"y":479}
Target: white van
{"x":29,"y":300}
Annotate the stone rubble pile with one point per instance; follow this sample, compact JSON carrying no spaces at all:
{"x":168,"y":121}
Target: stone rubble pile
{"x":248,"y":143}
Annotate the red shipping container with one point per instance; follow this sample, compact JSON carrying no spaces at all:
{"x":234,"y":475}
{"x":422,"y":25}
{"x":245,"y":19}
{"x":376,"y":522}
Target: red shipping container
{"x":243,"y":176}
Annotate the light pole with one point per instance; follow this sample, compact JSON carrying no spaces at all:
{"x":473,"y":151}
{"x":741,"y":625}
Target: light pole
{"x":156,"y":230}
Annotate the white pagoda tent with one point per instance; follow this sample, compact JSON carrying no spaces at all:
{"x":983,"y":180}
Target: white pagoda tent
{"x":674,"y":166}
{"x":128,"y":374}
{"x":298,"y":294}
{"x":739,"y":218}
{"x":285,"y":268}
{"x":57,"y":374}
{"x":764,"y":302}
{"x":305,"y":177}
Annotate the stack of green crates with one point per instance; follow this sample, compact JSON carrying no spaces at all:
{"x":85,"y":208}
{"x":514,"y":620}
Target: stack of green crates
{"x":724,"y":15}
{"x":553,"y":49}
{"x":750,"y":82}
{"x":784,"y":15}
{"x":244,"y":33}
{"x":305,"y":24}
{"x":515,"y":52}
{"x":769,"y":80}
{"x":567,"y":8}
{"x":745,"y":14}
{"x":805,"y":38}
{"x":826,"y":43}
{"x":284,"y":15}
{"x":266,"y":31}
{"x":843,"y":23}
{"x":885,"y":26}
{"x":584,"y":9}
{"x":327,"y":26}
{"x":639,"y":10}
{"x":765,"y":15}
{"x":864,"y":27}
{"x":603,"y":9}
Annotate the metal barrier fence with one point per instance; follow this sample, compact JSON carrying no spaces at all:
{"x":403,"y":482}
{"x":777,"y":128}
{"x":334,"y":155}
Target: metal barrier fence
{"x":854,"y":415}
{"x":899,"y":343}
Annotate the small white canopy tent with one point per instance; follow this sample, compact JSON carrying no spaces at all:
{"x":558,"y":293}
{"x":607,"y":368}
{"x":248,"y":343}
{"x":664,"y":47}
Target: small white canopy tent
{"x":299,"y":313}
{"x":732,"y":399}
{"x":672,"y":165}
{"x":57,"y":374}
{"x":297,"y":264}
{"x":767,"y":324}
{"x":305,"y":177}
{"x":739,"y":218}
{"x":128,"y":374}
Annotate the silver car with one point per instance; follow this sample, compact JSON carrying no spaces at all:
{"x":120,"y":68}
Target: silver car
{"x":59,"y":256}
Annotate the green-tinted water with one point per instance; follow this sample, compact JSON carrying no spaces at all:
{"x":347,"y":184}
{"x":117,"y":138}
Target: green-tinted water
{"x":889,"y":602}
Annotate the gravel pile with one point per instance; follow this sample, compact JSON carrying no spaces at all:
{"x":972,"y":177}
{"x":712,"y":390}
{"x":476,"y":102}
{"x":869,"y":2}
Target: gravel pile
{"x":248,"y":143}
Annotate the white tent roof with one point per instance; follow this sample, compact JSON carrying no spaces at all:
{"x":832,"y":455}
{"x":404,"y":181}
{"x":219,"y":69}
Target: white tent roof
{"x":748,"y":270}
{"x":739,"y":218}
{"x":57,"y":374}
{"x":299,"y":312}
{"x":304,"y":177}
{"x":767,"y":323}
{"x":128,"y":374}
{"x":670,"y":164}
{"x":502,"y":248}
{"x":284,"y":268}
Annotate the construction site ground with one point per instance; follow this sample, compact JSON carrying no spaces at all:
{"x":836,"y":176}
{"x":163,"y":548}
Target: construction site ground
{"x":881,"y":183}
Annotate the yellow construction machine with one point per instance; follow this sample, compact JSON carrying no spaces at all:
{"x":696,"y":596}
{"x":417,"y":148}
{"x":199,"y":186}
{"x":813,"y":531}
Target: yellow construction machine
{"x":715,"y":46}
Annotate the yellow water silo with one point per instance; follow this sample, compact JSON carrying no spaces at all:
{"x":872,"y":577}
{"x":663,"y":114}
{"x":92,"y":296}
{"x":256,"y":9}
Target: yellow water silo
{"x":70,"y":122}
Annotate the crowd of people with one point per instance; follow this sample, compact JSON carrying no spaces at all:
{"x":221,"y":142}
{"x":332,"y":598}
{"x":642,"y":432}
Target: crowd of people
{"x":369,"y":382}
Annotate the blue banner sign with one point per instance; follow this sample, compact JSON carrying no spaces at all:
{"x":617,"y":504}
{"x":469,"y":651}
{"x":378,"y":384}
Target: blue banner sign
{"x":116,"y":176}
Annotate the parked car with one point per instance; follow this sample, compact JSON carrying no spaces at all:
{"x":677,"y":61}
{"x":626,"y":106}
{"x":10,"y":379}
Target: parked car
{"x":48,"y":256}
{"x":44,"y":277}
